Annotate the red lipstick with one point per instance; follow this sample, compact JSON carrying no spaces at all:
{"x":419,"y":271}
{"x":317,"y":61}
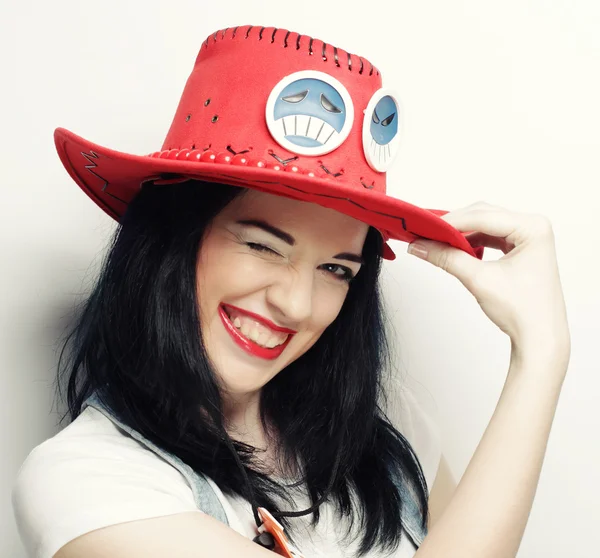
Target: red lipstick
{"x":249,"y":345}
{"x":260,"y":319}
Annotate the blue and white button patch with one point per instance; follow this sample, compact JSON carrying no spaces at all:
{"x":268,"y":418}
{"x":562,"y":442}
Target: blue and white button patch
{"x":382,"y":127}
{"x":309,"y":113}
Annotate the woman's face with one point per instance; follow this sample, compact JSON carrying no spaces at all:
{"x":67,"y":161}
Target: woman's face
{"x":272,"y":274}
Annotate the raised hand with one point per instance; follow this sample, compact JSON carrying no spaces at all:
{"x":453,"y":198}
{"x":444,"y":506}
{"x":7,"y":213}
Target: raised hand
{"x":521,"y":292}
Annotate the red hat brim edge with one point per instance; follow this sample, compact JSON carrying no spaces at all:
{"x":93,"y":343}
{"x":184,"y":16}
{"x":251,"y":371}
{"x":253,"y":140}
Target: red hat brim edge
{"x":112,"y":179}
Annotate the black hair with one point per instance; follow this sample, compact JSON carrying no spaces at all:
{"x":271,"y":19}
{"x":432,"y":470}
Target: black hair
{"x":138,"y":336}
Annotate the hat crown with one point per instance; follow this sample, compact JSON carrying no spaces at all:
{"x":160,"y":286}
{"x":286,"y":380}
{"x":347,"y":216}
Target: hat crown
{"x":223,"y":108}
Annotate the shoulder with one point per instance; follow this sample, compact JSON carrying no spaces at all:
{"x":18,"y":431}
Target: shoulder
{"x":91,"y":475}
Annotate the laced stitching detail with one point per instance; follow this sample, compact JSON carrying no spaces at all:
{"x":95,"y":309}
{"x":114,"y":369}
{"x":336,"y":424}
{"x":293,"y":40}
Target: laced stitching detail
{"x":336,"y":51}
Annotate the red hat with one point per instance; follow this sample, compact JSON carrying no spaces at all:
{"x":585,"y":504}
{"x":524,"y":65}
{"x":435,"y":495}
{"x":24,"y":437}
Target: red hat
{"x":279,"y":112}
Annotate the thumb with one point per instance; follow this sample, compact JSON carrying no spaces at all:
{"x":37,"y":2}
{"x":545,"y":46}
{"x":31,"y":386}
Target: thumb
{"x":452,"y":260}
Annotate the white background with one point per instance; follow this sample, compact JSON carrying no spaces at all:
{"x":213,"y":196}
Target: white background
{"x":501,"y":104}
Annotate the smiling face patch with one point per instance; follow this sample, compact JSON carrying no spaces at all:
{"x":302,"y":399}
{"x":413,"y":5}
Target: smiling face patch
{"x":382,"y":128}
{"x":309,"y":113}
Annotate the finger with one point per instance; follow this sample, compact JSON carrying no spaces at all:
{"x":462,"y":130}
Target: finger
{"x":515,"y":227}
{"x":480,"y":205}
{"x":481,"y":239}
{"x":489,"y":221}
{"x":484,"y":206}
{"x":452,"y":260}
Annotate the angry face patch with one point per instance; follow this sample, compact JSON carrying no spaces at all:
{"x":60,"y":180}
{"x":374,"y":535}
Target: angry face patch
{"x":309,"y":113}
{"x":382,"y":128}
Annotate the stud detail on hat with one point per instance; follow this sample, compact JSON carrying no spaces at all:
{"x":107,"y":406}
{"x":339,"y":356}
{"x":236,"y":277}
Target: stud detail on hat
{"x":260,"y":163}
{"x":208,"y":156}
{"x":241,"y":159}
{"x":195,"y":155}
{"x":224,"y":157}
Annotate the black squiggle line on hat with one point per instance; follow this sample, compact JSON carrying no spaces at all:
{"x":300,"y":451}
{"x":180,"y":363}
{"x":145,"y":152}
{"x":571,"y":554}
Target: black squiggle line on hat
{"x":341,"y":198}
{"x":93,"y":165}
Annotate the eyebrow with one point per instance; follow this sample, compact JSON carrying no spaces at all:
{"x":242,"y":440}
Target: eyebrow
{"x":289,"y":239}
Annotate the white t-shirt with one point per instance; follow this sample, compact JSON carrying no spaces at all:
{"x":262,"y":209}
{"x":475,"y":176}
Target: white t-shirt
{"x":92,"y":475}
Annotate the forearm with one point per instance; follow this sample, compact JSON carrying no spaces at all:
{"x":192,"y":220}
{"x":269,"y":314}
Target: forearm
{"x":487,"y":516}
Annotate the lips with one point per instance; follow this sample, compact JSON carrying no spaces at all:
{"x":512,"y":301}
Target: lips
{"x":247,"y":344}
{"x":258,"y":318}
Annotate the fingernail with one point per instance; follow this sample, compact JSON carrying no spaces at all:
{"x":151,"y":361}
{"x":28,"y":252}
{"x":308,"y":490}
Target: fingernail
{"x":417,"y":249}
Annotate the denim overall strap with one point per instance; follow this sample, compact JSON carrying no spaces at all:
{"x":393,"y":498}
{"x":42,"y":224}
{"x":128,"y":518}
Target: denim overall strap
{"x":205,"y":497}
{"x":411,"y":513}
{"x":207,"y":500}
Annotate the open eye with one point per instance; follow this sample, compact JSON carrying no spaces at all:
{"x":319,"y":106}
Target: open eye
{"x":375,"y":117}
{"x":296,"y":98}
{"x":388,"y":120}
{"x":328,"y":105}
{"x":335,"y":269}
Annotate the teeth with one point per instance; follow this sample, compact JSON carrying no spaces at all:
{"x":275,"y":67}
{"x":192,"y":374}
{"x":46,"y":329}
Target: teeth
{"x":271,"y":343}
{"x":262,"y":338}
{"x":259,"y":336}
{"x":254,"y":335}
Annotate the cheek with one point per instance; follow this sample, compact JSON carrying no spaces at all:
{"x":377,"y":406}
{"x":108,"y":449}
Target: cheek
{"x":327,"y":305}
{"x":224,"y":271}
{"x":326,"y":311}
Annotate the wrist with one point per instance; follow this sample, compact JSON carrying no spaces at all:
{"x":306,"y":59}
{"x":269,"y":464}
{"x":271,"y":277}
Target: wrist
{"x":551,"y":340}
{"x":549,"y":356}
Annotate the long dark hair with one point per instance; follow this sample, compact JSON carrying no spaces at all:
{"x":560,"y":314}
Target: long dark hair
{"x":138,"y":337}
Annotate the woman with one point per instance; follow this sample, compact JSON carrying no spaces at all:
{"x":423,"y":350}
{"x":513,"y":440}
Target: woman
{"x":235,"y":339}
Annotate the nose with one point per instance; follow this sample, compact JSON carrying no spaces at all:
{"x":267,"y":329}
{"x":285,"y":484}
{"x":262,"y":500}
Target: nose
{"x":291,"y":295}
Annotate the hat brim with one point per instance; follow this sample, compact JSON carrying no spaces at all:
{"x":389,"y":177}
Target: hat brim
{"x":113,"y":178}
